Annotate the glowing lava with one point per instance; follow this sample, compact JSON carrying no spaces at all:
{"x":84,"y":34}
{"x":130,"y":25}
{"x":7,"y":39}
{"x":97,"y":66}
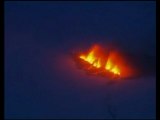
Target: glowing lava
{"x":112,"y":67}
{"x":92,"y":58}
{"x":97,"y":60}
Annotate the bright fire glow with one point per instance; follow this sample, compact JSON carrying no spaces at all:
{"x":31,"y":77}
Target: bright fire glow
{"x":95,"y":58}
{"x":92,"y":58}
{"x":111,"y":67}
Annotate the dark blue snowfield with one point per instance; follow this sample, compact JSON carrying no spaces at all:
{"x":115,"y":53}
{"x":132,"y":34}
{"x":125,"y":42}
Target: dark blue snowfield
{"x":42,"y":80}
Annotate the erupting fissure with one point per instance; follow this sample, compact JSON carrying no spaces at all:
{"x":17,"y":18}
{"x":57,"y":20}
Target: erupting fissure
{"x":95,"y":58}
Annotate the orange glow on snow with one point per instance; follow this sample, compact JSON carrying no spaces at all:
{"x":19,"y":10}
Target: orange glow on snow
{"x":94,"y":58}
{"x":108,"y":61}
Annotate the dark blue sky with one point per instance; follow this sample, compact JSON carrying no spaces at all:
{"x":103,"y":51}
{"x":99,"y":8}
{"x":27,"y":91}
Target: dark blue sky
{"x":42,"y":81}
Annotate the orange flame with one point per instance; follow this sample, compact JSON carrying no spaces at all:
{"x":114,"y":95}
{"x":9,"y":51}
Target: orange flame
{"x":94,"y":57}
{"x":111,"y":67}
